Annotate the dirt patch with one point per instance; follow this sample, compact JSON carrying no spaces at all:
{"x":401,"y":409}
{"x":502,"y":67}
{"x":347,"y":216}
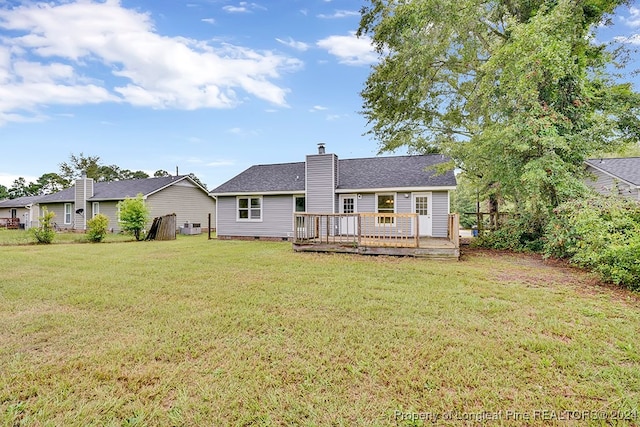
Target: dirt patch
{"x":535,"y":270}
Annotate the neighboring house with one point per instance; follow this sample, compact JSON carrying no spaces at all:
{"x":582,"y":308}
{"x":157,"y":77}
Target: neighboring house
{"x":25,"y":209}
{"x":164,"y":195}
{"x":619,"y":176}
{"x":261,"y":201}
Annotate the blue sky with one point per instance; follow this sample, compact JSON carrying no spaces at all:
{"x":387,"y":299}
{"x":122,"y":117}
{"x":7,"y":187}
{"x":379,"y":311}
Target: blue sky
{"x":209,"y":86}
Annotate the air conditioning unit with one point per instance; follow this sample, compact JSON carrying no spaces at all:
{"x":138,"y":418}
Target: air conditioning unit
{"x":191,"y":228}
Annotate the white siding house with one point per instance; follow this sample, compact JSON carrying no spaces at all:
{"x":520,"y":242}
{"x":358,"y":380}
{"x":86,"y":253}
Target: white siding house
{"x":260,"y":202}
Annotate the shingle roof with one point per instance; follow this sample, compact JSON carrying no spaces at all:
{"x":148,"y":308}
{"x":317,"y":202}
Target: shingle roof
{"x":283,"y":177}
{"x":365,"y":173}
{"x":393,"y":172}
{"x":116,"y":190}
{"x":19,"y":202}
{"x":627,"y":168}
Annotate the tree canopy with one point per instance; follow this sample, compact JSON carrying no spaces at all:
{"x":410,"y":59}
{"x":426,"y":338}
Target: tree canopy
{"x":517,"y":92}
{"x":77,"y":165}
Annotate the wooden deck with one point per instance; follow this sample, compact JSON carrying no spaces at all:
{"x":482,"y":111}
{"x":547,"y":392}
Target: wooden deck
{"x":10,"y":223}
{"x":373,"y":234}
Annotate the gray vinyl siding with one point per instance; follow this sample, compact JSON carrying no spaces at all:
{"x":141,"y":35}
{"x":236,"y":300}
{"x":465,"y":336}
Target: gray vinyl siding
{"x":277,"y":218}
{"x":321,"y":183}
{"x":439,"y":205}
{"x":20,"y":212}
{"x":366,"y":203}
{"x":83,"y":191}
{"x":440,"y":213}
{"x":58,"y":210}
{"x":188,"y":202}
{"x":404,"y":204}
{"x":110,"y":210}
{"x":604,"y":183}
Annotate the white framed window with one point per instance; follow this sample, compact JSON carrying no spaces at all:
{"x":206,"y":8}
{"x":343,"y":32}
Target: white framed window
{"x":14,"y":213}
{"x":68,"y":213}
{"x":348,"y":203}
{"x":385,"y":204}
{"x":95,"y":208}
{"x":249,"y":208}
{"x":299,"y":204}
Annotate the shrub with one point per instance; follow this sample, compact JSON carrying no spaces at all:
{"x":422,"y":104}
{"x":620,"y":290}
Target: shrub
{"x":44,"y":233}
{"x":601,"y":233}
{"x":134,"y":216}
{"x":97,"y":228}
{"x":522,"y":233}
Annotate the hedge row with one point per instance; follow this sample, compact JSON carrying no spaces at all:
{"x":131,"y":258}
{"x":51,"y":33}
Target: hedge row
{"x":600,"y":233}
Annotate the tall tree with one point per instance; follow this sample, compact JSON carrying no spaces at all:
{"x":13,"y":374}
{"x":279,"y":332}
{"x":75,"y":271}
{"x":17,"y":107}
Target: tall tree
{"x":20,"y":188}
{"x":77,"y":165}
{"x":4,"y":192}
{"x":517,"y":92}
{"x":50,"y":183}
{"x":197,"y":180}
{"x":135,"y":174}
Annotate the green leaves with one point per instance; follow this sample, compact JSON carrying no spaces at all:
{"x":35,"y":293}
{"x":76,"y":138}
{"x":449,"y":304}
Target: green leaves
{"x":516,"y":92}
{"x":45,"y":232}
{"x":601,"y":233}
{"x":97,"y":228}
{"x":134,"y":215}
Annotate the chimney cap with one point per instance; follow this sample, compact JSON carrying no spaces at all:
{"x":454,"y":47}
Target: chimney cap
{"x":321,"y":149}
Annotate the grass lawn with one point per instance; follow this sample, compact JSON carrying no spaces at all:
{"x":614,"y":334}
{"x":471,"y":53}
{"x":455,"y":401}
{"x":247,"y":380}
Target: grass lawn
{"x":21,"y":237}
{"x":196,"y":332}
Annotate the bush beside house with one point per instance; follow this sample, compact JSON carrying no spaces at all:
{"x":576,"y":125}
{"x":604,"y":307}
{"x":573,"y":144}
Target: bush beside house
{"x":597,"y":232}
{"x":45,"y":232}
{"x":601,"y":233}
{"x":97,"y":228}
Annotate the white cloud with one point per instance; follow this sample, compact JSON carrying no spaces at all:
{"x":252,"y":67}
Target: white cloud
{"x":209,"y":20}
{"x":238,"y":131}
{"x":338,"y":14}
{"x":301,"y":46}
{"x":633,"y":20}
{"x":55,"y":48}
{"x":350,"y":50}
{"x":634,"y":39}
{"x":333,"y":117}
{"x":220,"y":163}
{"x":243,"y":7}
{"x":317,"y":108}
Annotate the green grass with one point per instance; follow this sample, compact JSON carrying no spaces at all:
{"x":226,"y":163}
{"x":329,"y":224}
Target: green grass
{"x":22,"y":237}
{"x":196,"y":332}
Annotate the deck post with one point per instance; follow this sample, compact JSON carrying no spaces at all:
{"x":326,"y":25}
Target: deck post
{"x":454,"y":229}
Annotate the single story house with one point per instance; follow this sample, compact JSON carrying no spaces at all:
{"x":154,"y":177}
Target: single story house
{"x":163,"y":195}
{"x":261,"y":202}
{"x":22,"y":209}
{"x":619,"y":176}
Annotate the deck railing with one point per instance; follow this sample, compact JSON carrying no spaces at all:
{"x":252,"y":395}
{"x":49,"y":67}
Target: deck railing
{"x":367,"y":229}
{"x":10,"y":223}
